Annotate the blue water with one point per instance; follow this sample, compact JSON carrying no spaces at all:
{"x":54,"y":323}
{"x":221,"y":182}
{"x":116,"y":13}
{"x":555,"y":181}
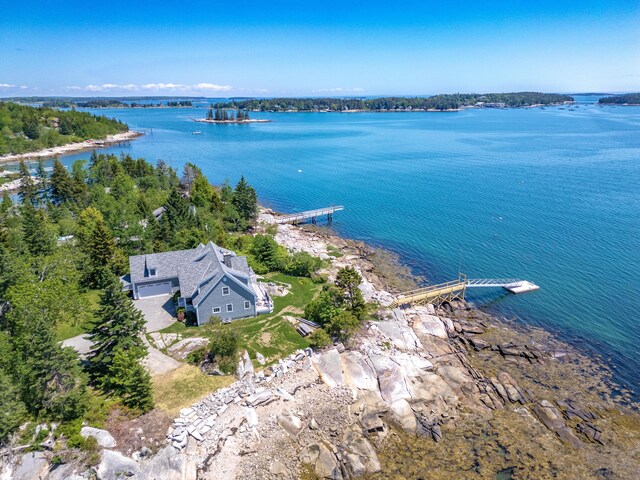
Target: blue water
{"x":546,"y":195}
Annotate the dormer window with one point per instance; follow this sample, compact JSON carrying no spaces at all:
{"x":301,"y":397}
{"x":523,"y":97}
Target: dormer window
{"x":225,"y":290}
{"x":152,"y":272}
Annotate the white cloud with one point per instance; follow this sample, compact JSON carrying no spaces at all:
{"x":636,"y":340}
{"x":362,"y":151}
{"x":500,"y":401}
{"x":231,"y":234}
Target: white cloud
{"x":150,"y":87}
{"x":339,"y":90}
{"x":6,"y":85}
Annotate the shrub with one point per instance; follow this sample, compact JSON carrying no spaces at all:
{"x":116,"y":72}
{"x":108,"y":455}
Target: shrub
{"x":224,"y":345}
{"x":319,"y":339}
{"x":197,"y":356}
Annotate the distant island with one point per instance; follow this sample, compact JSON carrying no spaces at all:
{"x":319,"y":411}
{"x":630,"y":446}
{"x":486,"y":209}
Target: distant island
{"x":26,"y":129}
{"x":107,"y":102}
{"x":228,"y":115}
{"x":626,"y":99}
{"x":443,"y":102}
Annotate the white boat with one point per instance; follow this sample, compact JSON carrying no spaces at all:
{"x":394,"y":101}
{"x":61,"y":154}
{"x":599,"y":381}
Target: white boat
{"x":197,"y":132}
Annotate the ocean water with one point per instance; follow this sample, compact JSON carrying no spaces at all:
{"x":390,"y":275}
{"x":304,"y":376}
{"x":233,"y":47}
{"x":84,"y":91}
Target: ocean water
{"x":548,"y":195}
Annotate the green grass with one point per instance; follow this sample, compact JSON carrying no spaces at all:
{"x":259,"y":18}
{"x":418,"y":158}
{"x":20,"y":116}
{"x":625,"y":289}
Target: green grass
{"x":334,"y":251}
{"x":271,"y":335}
{"x":66,"y":330}
{"x":182,"y":387}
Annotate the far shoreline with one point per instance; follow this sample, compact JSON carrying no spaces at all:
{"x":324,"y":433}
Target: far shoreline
{"x":250,"y":120}
{"x":70,"y":148}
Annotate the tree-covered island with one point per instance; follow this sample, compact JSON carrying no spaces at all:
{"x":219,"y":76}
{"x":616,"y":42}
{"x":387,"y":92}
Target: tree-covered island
{"x":444,"y":102}
{"x":221,"y":114}
{"x":626,"y":99}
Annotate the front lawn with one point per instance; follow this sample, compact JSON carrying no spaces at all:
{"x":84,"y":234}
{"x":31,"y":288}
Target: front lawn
{"x":271,"y":335}
{"x":65,"y":330}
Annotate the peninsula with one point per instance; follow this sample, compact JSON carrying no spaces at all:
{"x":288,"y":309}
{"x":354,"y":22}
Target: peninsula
{"x":436,"y":103}
{"x":31,"y":132}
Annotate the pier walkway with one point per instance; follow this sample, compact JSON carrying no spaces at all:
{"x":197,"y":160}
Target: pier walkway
{"x":455,"y":290}
{"x":309,"y":214}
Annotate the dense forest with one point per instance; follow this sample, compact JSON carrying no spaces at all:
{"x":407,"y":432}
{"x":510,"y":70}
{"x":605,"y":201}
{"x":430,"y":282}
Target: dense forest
{"x":437,"y":102}
{"x":626,"y":99}
{"x":26,"y":129}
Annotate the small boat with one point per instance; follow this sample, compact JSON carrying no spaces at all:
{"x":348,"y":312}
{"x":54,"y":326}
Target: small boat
{"x":197,"y":132}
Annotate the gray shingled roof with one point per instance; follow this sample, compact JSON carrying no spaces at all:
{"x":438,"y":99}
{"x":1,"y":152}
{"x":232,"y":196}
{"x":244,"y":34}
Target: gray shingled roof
{"x":202,"y":267}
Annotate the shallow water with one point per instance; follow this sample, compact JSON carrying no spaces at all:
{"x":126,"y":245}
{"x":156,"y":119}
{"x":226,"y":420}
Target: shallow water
{"x":547,"y":195}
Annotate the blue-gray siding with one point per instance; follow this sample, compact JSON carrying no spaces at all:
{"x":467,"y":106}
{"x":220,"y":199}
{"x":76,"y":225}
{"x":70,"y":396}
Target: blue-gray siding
{"x":237,"y":296}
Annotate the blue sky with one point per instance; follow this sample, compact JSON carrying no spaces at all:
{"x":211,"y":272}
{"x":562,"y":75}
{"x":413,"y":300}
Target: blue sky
{"x":292,"y":48}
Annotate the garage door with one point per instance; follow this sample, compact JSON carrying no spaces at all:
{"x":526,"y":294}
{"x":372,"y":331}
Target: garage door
{"x":152,"y":289}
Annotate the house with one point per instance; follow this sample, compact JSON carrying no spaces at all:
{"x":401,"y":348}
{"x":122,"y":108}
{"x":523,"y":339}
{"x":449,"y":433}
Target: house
{"x":211,"y":281}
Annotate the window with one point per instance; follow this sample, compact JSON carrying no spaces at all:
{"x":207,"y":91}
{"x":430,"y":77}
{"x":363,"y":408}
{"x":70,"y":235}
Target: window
{"x":247,"y":304}
{"x":152,"y":272}
{"x":216,"y":309}
{"x":225,"y":290}
{"x":229,"y":307}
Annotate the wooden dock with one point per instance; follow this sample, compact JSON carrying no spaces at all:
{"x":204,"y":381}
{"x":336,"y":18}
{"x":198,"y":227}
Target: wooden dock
{"x":455,"y":290}
{"x":309,"y":214}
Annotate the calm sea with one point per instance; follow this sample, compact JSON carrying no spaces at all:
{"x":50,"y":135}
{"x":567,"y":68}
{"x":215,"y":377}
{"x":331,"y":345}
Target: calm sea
{"x":548,"y":195}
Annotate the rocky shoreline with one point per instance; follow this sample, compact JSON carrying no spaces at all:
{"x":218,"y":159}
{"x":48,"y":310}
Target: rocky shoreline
{"x":422,"y":392}
{"x":72,"y":147}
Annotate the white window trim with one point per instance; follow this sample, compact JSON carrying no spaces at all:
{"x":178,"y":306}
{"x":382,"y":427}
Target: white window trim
{"x":213,"y":310}
{"x":228,"y":291}
{"x":153,"y":272}
{"x":247,"y":304}
{"x":229,"y":305}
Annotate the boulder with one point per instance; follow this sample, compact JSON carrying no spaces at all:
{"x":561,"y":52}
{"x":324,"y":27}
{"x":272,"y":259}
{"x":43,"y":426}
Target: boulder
{"x":329,"y":367}
{"x":290,"y":423}
{"x":390,"y":378}
{"x":360,"y":447}
{"x":32,"y":465}
{"x":456,"y":377}
{"x":260,"y":358}
{"x":259,"y":397}
{"x":310,"y":453}
{"x":549,"y":415}
{"x":184,"y":347}
{"x":327,"y":464}
{"x":115,"y":466}
{"x":430,"y":387}
{"x":399,"y":335}
{"x":357,"y":372}
{"x":429,"y":325}
{"x":168,"y":464}
{"x":104,"y":438}
{"x":401,"y":414}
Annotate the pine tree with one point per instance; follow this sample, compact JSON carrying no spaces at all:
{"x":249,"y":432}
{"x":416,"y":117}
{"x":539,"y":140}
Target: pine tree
{"x":27,"y":190}
{"x":131,"y":382}
{"x":119,"y":327}
{"x":245,"y":200}
{"x":348,"y":279}
{"x":7,"y":203}
{"x":62,"y":187}
{"x":210,"y":113}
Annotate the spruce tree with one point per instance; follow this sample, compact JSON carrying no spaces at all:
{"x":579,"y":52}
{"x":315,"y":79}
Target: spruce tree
{"x":62,"y":187}
{"x":38,"y":233}
{"x":245,"y":200}
{"x":118,"y":327}
{"x":101,"y":250}
{"x":42,"y":183}
{"x":176,"y":214}
{"x":27,"y":190}
{"x":131,"y":382}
